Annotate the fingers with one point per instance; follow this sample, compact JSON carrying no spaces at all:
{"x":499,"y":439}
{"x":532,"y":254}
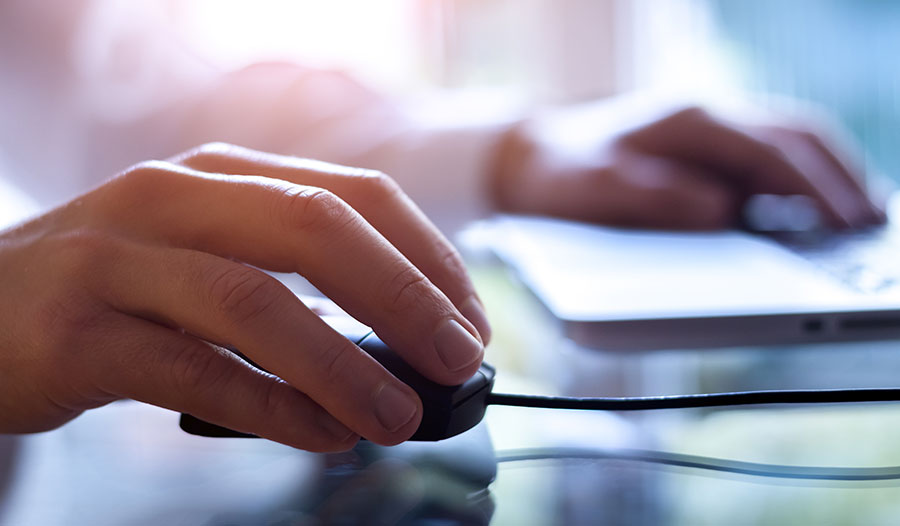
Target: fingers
{"x":639,"y":191}
{"x":234,"y":305}
{"x":293,"y":228}
{"x":838,"y":163}
{"x":374,"y":195}
{"x":140,"y":360}
{"x":807,"y":152}
{"x":645,"y":192}
{"x":755,"y":165}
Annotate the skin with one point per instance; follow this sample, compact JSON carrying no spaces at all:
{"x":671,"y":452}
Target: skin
{"x":133,"y":290}
{"x":681,"y":168}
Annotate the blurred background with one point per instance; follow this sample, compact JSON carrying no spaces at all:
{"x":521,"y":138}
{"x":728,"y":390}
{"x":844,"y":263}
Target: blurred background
{"x":839,"y":54}
{"x":122,"y":59}
{"x":78,"y":76}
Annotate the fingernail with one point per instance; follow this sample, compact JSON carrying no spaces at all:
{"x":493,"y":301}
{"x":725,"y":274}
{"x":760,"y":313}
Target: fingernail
{"x":393,"y":407}
{"x":474,"y":312}
{"x":335,"y":428}
{"x":456,"y":346}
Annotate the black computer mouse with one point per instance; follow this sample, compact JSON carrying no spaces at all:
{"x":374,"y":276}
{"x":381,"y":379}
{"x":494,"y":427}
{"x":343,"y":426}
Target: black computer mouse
{"x":446,"y":410}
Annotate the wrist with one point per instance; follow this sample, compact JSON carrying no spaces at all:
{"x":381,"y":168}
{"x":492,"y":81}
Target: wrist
{"x":508,"y":169}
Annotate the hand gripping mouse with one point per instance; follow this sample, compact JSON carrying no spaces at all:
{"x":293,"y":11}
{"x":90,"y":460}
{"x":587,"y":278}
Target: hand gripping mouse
{"x":446,"y":410}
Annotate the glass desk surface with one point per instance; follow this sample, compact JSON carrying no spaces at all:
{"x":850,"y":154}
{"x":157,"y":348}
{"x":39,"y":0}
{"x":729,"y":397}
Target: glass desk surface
{"x":129,"y":463}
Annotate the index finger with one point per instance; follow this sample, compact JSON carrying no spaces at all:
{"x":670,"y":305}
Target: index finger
{"x":841,"y":160}
{"x":756,"y":166}
{"x":374,"y":195}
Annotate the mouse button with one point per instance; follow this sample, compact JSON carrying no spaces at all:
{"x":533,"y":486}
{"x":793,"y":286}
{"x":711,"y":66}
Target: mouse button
{"x":436,"y":418}
{"x":465,"y":415}
{"x":483,"y":378}
{"x":427,"y":389}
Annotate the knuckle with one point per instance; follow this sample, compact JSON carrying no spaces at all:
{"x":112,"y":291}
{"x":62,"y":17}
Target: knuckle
{"x":207,"y":156}
{"x":404,"y":290}
{"x":196,"y":368}
{"x":453,"y":263}
{"x":212,"y":148}
{"x":66,"y":303}
{"x":243,"y":294}
{"x":673,"y":122}
{"x":376,"y":186}
{"x":334,"y":360}
{"x":84,"y":254}
{"x":147,"y":174}
{"x":689,"y":114}
{"x":314,"y":209}
{"x":142,"y":185}
{"x":74,"y":321}
{"x":273,"y":399}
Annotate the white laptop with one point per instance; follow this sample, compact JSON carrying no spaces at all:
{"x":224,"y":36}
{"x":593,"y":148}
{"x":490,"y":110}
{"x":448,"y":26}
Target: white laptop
{"x":620,"y":289}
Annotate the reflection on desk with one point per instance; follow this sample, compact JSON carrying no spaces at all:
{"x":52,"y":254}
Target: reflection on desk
{"x":130,"y":464}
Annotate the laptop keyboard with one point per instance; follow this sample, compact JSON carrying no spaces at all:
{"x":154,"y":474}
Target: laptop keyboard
{"x":867,"y":261}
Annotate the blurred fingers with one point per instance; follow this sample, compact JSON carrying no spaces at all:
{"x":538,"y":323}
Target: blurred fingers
{"x":834,"y":162}
{"x":643,"y":191}
{"x":752,"y":164}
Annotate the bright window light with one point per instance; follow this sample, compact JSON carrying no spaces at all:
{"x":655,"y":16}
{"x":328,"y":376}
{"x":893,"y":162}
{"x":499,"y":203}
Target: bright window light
{"x":374,"y":39}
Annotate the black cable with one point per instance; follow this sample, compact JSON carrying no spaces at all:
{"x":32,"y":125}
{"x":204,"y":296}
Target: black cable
{"x":706,"y":463}
{"x":810,"y":396}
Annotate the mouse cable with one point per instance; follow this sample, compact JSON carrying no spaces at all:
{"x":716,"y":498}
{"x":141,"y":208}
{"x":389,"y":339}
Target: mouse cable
{"x":755,"y":469}
{"x":640,"y":403}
